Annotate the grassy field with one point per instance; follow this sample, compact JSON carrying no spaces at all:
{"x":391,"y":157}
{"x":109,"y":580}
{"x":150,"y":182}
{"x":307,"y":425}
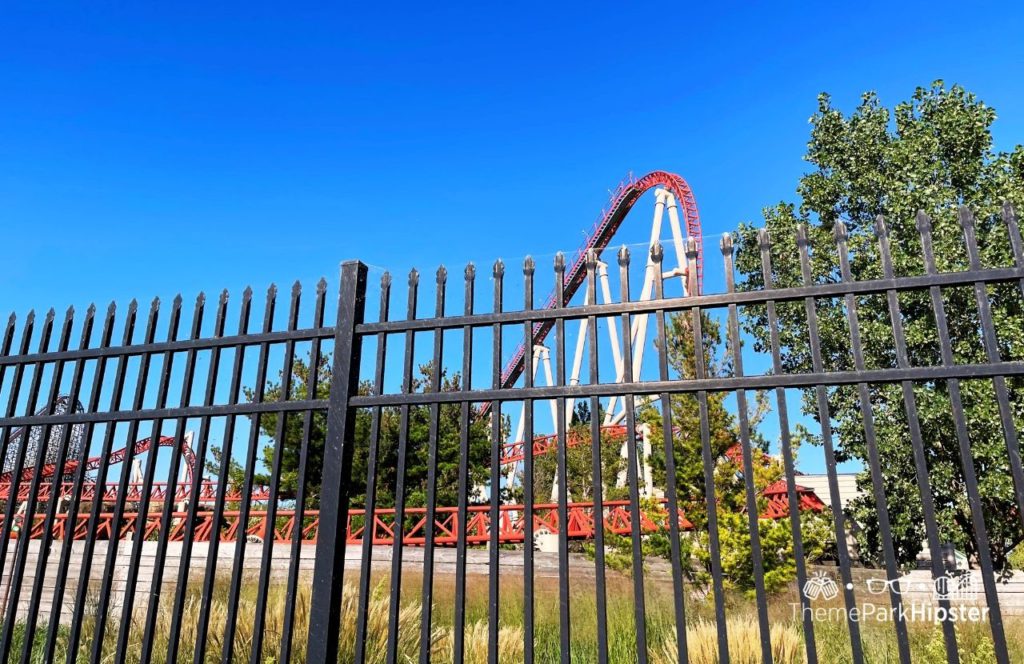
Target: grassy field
{"x":744,"y":637}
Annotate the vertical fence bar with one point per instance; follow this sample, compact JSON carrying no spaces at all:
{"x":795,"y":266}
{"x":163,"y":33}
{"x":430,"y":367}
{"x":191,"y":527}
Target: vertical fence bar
{"x":528,"y":540}
{"x":101,"y":480}
{"x":223,"y":479}
{"x":562,"y":468}
{"x":1013,"y":230}
{"x":42,"y":452}
{"x":309,"y":422}
{"x":463,"y":481}
{"x":824,"y":418}
{"x":328,"y":573}
{"x":16,"y":574}
{"x":494,"y":544}
{"x":185,"y":561}
{"x":430,"y":522}
{"x":924,"y":227}
{"x":874,"y":460}
{"x":991,"y":344}
{"x":163,"y":535}
{"x":753,"y":515}
{"x":596,"y":459}
{"x":14,"y":487}
{"x":270,"y":518}
{"x":12,"y":407}
{"x":671,"y":490}
{"x":116,"y":531}
{"x":13,"y":579}
{"x":708,"y":459}
{"x":252,"y":449}
{"x":788,"y":461}
{"x":632,"y":478}
{"x":370,"y":505}
{"x":916,"y":440}
{"x":67,"y":546}
{"x":398,"y":528}
{"x":142,"y":510}
{"x":398,"y":537}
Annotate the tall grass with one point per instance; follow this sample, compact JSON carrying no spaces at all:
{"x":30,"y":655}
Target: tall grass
{"x":744,"y":637}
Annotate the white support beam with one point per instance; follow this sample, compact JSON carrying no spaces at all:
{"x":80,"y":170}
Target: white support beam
{"x":677,"y":238}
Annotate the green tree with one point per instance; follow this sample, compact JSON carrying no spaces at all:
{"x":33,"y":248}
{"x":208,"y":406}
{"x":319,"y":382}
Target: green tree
{"x":934,"y":153}
{"x":776,"y":536}
{"x":729,"y":483}
{"x":417,"y":447}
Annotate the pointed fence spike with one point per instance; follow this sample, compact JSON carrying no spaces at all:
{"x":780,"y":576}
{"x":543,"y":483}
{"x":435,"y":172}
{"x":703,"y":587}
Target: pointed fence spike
{"x":247,"y":293}
{"x":623,"y":256}
{"x":470,"y":272}
{"x":442,"y":274}
{"x":69,"y":314}
{"x":559,"y":262}
{"x":91,"y":311}
{"x":385,"y":282}
{"x":840,"y":231}
{"x":657,"y":252}
{"x":529,"y":265}
{"x":13,"y":317}
{"x":223,"y":300}
{"x":201,"y":299}
{"x":50,"y":315}
{"x":924,"y":222}
{"x":321,"y":286}
{"x":31,"y":318}
{"x":966,"y":216}
{"x":272,"y":291}
{"x":499,"y":268}
{"x":763,"y":238}
{"x":881,"y":228}
{"x":725,"y":244}
{"x":591,"y":258}
{"x":802,"y":240}
{"x":296,"y":288}
{"x":691,"y":247}
{"x":414,"y":277}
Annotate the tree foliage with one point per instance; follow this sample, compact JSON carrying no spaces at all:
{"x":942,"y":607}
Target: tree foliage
{"x":417,"y":446}
{"x":934,"y":153}
{"x":776,"y":536}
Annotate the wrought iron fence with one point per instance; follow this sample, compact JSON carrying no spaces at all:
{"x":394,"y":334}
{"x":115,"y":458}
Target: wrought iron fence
{"x":161,"y":565}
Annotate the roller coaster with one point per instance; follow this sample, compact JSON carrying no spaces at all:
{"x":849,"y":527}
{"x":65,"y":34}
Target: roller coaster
{"x":672,"y":194}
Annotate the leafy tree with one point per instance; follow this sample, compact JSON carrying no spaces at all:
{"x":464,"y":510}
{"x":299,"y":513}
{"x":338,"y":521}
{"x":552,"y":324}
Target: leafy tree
{"x":776,"y":536}
{"x":932,"y":153}
{"x":417,"y":448}
{"x":579,"y":468}
{"x":730,"y":488}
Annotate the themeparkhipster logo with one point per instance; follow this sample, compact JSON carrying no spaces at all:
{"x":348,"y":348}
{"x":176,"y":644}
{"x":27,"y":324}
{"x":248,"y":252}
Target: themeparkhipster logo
{"x":929,"y":601}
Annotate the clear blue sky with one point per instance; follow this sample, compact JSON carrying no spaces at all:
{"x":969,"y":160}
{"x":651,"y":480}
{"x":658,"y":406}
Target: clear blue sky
{"x":147,"y":150}
{"x":150,"y":149}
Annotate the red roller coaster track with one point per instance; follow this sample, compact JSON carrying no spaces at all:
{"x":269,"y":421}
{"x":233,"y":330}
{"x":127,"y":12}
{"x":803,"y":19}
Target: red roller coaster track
{"x":622,"y":200}
{"x":116,"y":457}
{"x":382,"y":527}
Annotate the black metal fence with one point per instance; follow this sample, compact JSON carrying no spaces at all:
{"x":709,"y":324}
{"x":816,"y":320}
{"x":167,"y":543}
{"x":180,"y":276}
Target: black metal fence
{"x":147,"y":569}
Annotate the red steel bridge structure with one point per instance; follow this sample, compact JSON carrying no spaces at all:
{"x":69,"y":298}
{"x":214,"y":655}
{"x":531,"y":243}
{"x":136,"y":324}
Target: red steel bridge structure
{"x":381,"y":526}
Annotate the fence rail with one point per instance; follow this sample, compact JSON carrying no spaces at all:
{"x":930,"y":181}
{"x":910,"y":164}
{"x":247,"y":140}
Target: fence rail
{"x":278,"y":434}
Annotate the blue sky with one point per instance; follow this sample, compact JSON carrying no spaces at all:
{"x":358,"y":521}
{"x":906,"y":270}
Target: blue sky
{"x":147,"y":150}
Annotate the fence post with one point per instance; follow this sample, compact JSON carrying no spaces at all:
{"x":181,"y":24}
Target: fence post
{"x":328,"y":572}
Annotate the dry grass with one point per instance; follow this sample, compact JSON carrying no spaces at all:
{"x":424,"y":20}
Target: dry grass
{"x":742,"y":627}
